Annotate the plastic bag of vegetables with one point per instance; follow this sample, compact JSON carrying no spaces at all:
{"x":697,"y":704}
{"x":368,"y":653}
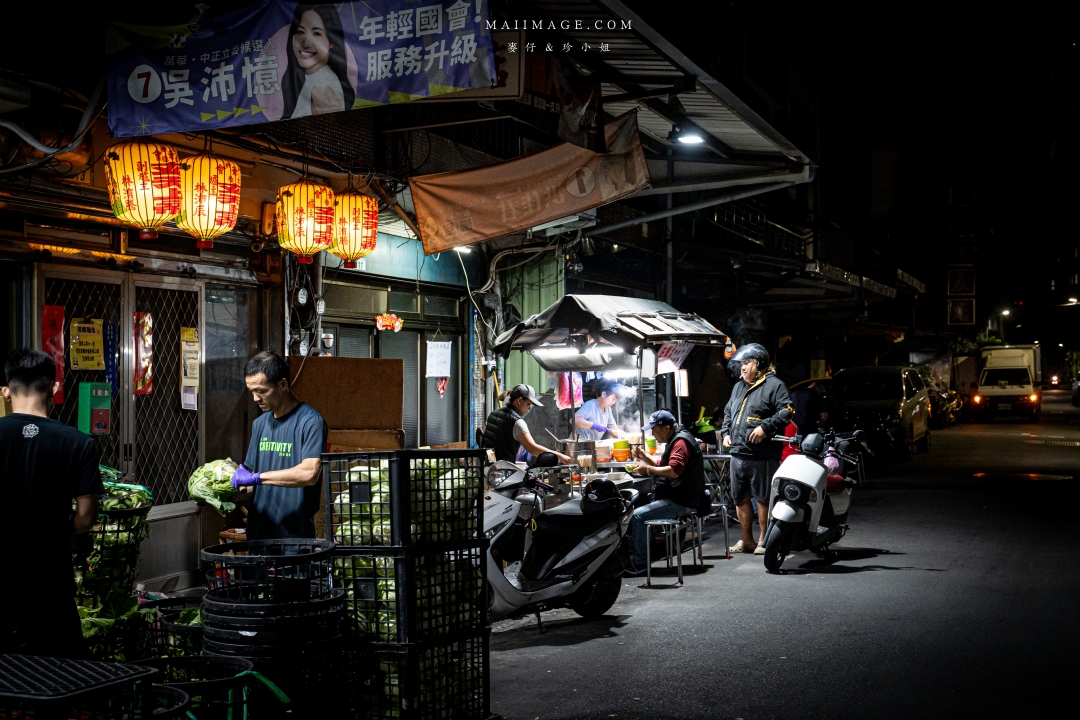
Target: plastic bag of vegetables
{"x":212,"y":484}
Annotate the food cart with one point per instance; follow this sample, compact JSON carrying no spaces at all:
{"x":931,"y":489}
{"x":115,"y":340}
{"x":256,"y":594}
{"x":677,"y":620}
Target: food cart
{"x":607,"y":333}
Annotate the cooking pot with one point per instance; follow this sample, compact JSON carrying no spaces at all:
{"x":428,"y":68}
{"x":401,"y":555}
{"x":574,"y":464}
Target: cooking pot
{"x":573,"y":448}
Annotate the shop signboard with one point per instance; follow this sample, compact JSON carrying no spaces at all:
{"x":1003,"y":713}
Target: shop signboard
{"x":281,"y":59}
{"x":438,"y":359}
{"x":671,"y":356}
{"x":87,"y":344}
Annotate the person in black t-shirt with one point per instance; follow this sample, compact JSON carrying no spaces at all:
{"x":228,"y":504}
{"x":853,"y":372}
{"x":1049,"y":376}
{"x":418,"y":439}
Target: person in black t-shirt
{"x":43,"y":465}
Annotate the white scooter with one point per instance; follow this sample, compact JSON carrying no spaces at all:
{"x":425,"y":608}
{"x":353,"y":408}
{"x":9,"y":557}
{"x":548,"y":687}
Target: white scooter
{"x":567,"y":556}
{"x":811,"y":495}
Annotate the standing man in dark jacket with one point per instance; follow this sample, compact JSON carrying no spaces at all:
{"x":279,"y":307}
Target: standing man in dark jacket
{"x":750,"y":421}
{"x":679,"y":486}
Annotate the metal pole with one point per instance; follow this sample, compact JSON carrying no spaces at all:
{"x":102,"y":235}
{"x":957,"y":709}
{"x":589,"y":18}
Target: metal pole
{"x":640,"y":394}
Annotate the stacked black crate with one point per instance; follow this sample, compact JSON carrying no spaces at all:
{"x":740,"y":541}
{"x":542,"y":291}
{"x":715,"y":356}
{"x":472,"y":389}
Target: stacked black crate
{"x":272,"y":602}
{"x":410,"y":557}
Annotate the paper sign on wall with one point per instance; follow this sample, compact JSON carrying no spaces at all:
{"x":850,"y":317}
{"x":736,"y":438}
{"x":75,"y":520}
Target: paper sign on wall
{"x":52,"y":342}
{"x":671,"y":356}
{"x":109,"y":339}
{"x":438,"y":359}
{"x":189,"y":368}
{"x":87,"y":344}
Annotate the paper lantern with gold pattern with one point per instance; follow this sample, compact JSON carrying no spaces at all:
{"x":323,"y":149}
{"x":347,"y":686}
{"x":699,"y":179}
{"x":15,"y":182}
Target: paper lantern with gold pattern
{"x":144,"y":184}
{"x":305,"y":219}
{"x":357,"y":218}
{"x":210,"y":201}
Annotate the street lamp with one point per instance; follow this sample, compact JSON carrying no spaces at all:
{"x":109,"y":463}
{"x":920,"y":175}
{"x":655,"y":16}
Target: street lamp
{"x":1004,"y":312}
{"x":1073,"y":300}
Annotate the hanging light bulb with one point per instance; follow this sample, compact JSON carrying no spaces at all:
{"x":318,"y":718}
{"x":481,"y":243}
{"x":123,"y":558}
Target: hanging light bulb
{"x":305,"y":219}
{"x":301,"y":297}
{"x":144,"y":184}
{"x":357,"y":217}
{"x":211,"y":197}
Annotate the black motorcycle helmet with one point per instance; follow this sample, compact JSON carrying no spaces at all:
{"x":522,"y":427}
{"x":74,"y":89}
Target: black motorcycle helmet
{"x":600,"y":495}
{"x":749,"y":351}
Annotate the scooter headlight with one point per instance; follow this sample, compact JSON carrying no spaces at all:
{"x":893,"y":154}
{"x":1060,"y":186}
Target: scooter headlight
{"x":792,"y":492}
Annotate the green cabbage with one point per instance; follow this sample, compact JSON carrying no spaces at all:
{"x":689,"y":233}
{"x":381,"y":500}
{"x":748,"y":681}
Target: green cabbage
{"x":212,"y":484}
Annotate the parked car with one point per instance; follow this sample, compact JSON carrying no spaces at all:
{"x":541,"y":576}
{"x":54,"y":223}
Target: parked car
{"x":890,"y":403}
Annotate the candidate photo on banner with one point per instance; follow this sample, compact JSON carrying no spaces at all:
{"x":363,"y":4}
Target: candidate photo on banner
{"x":281,"y":59}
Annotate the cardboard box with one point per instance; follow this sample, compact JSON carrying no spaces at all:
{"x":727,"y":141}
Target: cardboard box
{"x":351,"y":393}
{"x":354,"y":440}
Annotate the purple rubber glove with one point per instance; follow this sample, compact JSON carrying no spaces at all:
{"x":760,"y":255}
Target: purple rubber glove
{"x":244,"y":478}
{"x":599,"y":428}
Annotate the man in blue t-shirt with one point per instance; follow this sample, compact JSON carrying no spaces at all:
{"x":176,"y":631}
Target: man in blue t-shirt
{"x":283,"y":463}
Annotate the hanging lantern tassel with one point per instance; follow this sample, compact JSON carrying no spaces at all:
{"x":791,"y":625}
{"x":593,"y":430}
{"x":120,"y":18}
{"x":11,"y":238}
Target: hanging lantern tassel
{"x":144,"y":185}
{"x":305,"y":219}
{"x":357,"y":219}
{"x":211,"y":197}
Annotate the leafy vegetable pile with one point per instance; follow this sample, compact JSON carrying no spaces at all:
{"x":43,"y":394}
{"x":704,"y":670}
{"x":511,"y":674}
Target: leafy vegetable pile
{"x":448,"y":590}
{"x":212,"y":484}
{"x":104,"y":571}
{"x":442,"y":501}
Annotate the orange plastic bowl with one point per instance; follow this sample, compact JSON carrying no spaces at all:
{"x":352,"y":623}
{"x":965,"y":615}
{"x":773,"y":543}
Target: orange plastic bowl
{"x":621,"y":454}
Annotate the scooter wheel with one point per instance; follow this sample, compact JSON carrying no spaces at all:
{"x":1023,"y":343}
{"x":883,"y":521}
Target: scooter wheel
{"x":596,"y":597}
{"x":777,"y":543}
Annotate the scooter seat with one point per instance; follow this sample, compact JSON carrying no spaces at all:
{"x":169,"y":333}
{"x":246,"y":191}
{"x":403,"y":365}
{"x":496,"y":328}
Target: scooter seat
{"x":570,"y":507}
{"x":835,"y":484}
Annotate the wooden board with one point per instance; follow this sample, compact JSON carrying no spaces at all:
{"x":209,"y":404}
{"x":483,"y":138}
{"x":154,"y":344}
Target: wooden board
{"x":351,"y":393}
{"x":354,"y":440}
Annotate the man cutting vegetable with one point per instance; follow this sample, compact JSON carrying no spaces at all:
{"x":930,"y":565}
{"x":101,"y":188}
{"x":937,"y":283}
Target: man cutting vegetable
{"x":44,"y":464}
{"x":283,"y":463}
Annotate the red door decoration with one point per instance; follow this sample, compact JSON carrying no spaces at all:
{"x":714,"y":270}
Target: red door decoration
{"x":440,"y":385}
{"x":52,"y":342}
{"x":386,"y":321}
{"x":143,"y":381}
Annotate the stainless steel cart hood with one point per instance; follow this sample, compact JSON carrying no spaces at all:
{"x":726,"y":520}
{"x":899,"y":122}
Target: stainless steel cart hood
{"x":603,"y":332}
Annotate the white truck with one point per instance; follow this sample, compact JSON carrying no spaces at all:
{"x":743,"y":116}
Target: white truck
{"x":1010,"y":382}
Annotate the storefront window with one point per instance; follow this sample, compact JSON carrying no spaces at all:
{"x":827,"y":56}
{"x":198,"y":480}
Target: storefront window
{"x":443,"y":418}
{"x":231,"y":338}
{"x":403,"y":346}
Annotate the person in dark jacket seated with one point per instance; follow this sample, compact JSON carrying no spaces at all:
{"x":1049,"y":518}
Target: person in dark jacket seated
{"x":680,"y":482}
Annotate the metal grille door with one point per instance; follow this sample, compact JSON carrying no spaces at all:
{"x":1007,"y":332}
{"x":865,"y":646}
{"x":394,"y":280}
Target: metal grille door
{"x":166,"y":448}
{"x":95,"y":300}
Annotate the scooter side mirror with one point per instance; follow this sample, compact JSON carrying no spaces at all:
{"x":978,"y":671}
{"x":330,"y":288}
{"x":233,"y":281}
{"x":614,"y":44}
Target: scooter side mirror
{"x":785,"y":415}
{"x":858,"y":436}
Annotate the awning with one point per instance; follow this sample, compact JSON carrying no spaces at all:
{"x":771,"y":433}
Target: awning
{"x":598,"y":332}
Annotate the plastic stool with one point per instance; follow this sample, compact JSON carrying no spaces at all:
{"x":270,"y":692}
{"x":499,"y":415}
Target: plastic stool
{"x":672,"y":540}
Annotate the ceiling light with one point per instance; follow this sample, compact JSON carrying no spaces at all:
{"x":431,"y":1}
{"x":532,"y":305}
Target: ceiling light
{"x":690,"y":138}
{"x":1004,"y":312}
{"x":463,"y":249}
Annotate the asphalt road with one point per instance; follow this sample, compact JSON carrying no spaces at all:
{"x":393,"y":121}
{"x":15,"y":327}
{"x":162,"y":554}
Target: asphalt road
{"x":956,"y":593}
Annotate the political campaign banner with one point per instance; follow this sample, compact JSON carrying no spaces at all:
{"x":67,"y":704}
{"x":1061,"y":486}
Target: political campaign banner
{"x":282,"y":59}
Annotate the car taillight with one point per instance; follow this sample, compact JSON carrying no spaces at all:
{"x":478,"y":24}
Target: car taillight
{"x":1033,"y":397}
{"x":977,"y":399}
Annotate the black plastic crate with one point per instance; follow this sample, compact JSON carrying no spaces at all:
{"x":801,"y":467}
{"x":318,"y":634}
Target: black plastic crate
{"x":268,"y":571}
{"x":402,"y":498}
{"x":412,"y":594}
{"x":447,"y":679}
{"x":220,"y":688}
{"x":167,"y":638}
{"x":276,"y":612}
{"x":107,"y":566}
{"x":46,"y":688}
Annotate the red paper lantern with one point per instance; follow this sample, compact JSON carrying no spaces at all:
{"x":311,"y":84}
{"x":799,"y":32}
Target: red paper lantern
{"x":357,"y":218}
{"x":305,"y":219}
{"x":144,"y":184}
{"x":211,"y":197}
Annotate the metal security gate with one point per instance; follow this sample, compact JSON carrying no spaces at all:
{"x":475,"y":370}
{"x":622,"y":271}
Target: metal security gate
{"x":166,"y":438}
{"x":151,"y":436}
{"x":98,"y":298}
